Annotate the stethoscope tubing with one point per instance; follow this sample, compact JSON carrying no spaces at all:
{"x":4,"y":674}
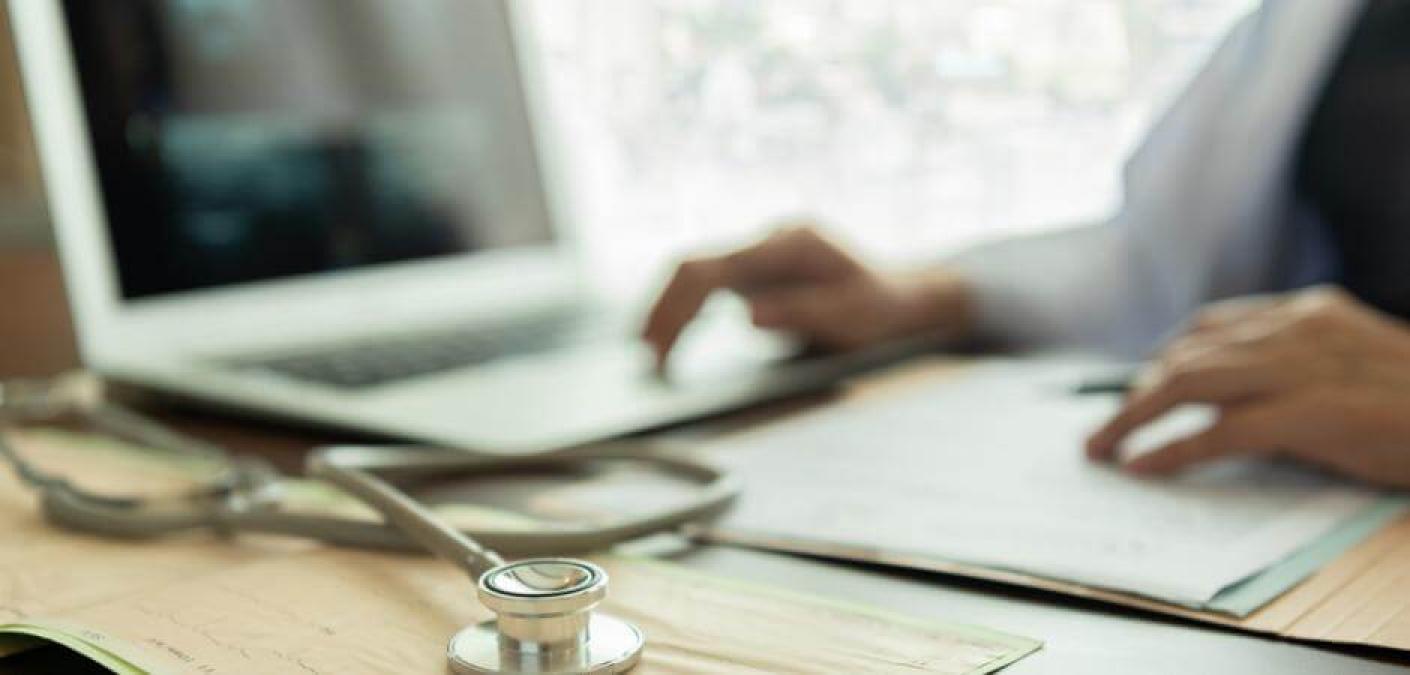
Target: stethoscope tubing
{"x":74,"y":510}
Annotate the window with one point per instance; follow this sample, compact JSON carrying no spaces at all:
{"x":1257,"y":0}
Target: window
{"x":910,"y":127}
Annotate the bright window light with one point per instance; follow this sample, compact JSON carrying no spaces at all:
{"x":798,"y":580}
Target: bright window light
{"x":911,"y":128}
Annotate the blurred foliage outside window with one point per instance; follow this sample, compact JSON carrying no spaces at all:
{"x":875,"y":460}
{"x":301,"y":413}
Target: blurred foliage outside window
{"x":911,"y":127}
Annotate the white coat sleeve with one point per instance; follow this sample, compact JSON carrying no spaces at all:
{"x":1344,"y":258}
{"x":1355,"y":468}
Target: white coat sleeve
{"x":1109,"y":286}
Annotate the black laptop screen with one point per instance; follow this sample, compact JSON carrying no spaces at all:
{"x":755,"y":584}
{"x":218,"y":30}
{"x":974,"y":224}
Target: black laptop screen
{"x":245,"y":140}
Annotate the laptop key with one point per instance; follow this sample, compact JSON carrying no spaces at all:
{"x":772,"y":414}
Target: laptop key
{"x":377,"y":362}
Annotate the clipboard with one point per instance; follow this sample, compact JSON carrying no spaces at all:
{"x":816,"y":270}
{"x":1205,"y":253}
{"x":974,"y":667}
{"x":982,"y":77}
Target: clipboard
{"x":1361,"y":597}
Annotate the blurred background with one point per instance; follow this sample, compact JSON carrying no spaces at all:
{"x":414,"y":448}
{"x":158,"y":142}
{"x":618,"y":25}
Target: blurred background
{"x":910,"y":127}
{"x":22,"y":221}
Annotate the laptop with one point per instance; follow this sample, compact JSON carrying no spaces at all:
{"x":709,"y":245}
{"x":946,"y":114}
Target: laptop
{"x":344,"y":213}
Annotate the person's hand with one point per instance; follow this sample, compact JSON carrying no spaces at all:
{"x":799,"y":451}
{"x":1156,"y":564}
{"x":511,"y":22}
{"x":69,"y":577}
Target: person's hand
{"x":799,"y":282}
{"x":1314,"y":375}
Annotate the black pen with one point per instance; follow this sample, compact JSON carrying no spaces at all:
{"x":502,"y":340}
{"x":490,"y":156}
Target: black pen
{"x":1116,"y":384}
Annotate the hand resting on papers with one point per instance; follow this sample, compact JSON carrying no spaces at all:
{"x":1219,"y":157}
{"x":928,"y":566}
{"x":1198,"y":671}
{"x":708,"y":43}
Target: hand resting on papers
{"x":1315,"y":375}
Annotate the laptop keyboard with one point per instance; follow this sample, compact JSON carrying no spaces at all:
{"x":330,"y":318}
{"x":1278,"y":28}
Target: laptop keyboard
{"x":380,"y":361}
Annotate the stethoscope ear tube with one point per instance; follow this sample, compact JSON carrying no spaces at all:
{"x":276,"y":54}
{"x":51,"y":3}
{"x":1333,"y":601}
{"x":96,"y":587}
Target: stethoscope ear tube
{"x":718,"y":491}
{"x":68,"y":508}
{"x":74,"y":509}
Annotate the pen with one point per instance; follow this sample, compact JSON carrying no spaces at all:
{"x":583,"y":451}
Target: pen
{"x":1116,"y":384}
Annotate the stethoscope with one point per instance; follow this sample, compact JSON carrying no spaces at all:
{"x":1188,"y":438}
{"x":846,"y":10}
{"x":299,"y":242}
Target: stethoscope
{"x":544,"y":622}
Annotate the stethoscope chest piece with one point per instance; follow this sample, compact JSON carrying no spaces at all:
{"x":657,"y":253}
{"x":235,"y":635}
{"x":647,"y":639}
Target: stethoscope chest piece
{"x":545,"y":623}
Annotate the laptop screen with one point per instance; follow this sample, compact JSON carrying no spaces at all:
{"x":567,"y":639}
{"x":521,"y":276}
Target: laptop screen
{"x":247,"y":140}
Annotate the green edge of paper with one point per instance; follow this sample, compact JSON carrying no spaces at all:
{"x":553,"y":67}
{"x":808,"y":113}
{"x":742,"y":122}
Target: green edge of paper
{"x":92,"y":652}
{"x":1016,"y":646}
{"x":1244,"y":597}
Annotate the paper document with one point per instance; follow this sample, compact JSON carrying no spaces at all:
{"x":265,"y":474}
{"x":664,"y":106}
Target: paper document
{"x":208,"y":606}
{"x":987,"y":468}
{"x":355,"y":612}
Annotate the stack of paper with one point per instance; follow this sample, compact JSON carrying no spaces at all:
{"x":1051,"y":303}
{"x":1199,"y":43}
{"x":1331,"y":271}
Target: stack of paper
{"x":986,"y":469}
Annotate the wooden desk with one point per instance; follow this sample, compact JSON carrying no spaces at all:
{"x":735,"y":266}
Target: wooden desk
{"x":1081,"y":637}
